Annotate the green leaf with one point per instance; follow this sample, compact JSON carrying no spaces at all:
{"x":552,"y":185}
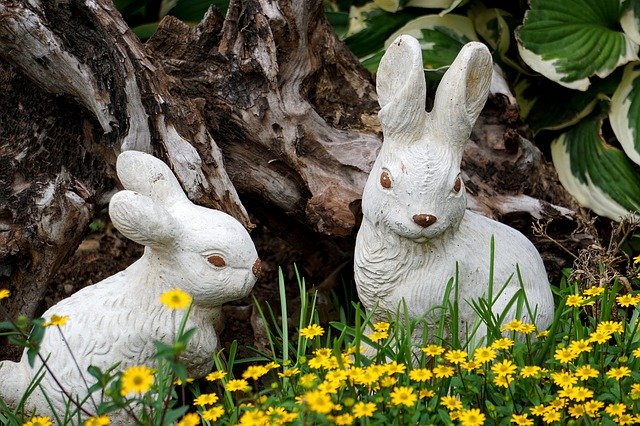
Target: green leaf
{"x":571,"y":40}
{"x":370,"y":26}
{"x":630,"y":20}
{"x":441,"y":37}
{"x":598,"y":175}
{"x":145,"y":31}
{"x":339,"y":21}
{"x":624,"y":114}
{"x":545,"y":105}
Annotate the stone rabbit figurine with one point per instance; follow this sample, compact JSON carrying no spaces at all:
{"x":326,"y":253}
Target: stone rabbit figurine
{"x":204,"y":252}
{"x":415,"y":225}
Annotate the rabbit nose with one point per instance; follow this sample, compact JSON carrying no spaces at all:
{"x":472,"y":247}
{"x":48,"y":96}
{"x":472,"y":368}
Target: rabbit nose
{"x":424,"y":220}
{"x":257,"y":268}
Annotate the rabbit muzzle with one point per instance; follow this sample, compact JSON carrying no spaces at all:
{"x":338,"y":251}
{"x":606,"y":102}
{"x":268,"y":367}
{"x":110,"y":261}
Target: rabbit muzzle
{"x":424,"y":220}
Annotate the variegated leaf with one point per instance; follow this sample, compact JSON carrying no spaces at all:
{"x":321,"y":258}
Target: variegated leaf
{"x":569,"y":41}
{"x":390,"y":5}
{"x":598,"y":175}
{"x":441,"y":37}
{"x":447,"y":5}
{"x":630,"y":21}
{"x":624,"y":114}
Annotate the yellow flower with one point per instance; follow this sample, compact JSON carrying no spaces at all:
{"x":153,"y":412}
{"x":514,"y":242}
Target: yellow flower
{"x":564,"y":379}
{"x":591,"y":408}
{"x":307,"y":381}
{"x":56,"y":320}
{"x":388,"y":381}
{"x":403,"y":395}
{"x":635,"y":391}
{"x":616,"y":409}
{"x":455,"y":356}
{"x":311,"y":331}
{"x":364,"y":409}
{"x":576,"y":411}
{"x":136,"y":379}
{"x":234,"y":385}
{"x":191,"y":419}
{"x":521,"y":419}
{"x":593,"y":291}
{"x":619,"y":373}
{"x":539,"y":410}
{"x":627,"y":300}
{"x":420,"y":374}
{"x":471,"y":365}
{"x":551,"y":416}
{"x":175,"y":299}
{"x":530,"y":371}
{"x":289,"y":372}
{"x":557,"y":404}
{"x":254,"y":372}
{"x":393,"y":367}
{"x":626,"y":419}
{"x":636,"y":259}
{"x":178,"y":382}
{"x":610,"y":327}
{"x":502,"y":344}
{"x":381,"y":326}
{"x":585,"y":372}
{"x":471,"y":417}
{"x":213,"y":413}
{"x":451,"y":403}
{"x":97,"y":421}
{"x":575,"y":300}
{"x":503,"y":368}
{"x":579,"y":346}
{"x":378,"y":335}
{"x":216,"y":375}
{"x":318,"y":401}
{"x":443,"y":371}
{"x":484,"y":354}
{"x":599,"y":336}
{"x":580,"y":393}
{"x":254,"y":418}
{"x":426,"y":393}
{"x":636,"y":352}
{"x":527,"y":328}
{"x":503,"y":381}
{"x":4,"y":293}
{"x":565,"y":355}
{"x":39,"y":421}
{"x":543,"y":334}
{"x":206,"y":399}
{"x":344,"y":419}
{"x":512,"y":325}
{"x":433,"y":350}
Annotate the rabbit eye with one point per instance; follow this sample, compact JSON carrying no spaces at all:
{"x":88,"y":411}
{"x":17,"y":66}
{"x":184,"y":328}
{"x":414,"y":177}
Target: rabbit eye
{"x":385,"y":179}
{"x":216,"y":260}
{"x":457,"y":186}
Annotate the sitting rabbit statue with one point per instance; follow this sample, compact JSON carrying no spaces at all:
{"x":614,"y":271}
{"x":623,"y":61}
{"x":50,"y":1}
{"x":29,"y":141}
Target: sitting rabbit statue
{"x":416,"y":228}
{"x":206,"y":253}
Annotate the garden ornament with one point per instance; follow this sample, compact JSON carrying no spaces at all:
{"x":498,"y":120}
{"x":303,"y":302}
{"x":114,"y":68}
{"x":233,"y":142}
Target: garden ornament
{"x":416,"y":229}
{"x":206,"y":253}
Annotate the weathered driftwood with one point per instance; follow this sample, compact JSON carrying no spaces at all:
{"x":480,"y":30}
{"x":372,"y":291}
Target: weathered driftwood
{"x":266,"y":103}
{"x":416,"y":234}
{"x":204,"y":252}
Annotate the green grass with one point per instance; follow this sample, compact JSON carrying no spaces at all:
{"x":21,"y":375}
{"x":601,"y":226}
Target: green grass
{"x":585,"y":369}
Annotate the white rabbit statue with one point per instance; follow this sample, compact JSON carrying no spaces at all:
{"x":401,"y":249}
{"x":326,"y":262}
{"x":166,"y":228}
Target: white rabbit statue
{"x":415,"y":226}
{"x":206,"y":253}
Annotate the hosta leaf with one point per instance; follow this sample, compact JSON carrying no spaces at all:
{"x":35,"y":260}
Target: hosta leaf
{"x":545,"y":105}
{"x":569,"y":41}
{"x":624,"y":114}
{"x":390,"y":5}
{"x":598,"y":175}
{"x":447,"y":5}
{"x":369,"y":27}
{"x":630,"y":21}
{"x":441,"y":37}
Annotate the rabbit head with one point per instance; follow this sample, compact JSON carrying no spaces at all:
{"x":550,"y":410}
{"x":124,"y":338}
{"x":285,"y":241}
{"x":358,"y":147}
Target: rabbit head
{"x":205,"y":252}
{"x":414,"y":187}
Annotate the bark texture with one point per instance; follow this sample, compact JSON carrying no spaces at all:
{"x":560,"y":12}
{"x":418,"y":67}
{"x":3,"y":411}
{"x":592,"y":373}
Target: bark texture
{"x":266,"y":102}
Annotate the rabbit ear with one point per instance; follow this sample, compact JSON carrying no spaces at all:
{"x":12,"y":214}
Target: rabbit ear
{"x":401,"y":87}
{"x":461,"y":94}
{"x":150,"y":176}
{"x":142,"y":219}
